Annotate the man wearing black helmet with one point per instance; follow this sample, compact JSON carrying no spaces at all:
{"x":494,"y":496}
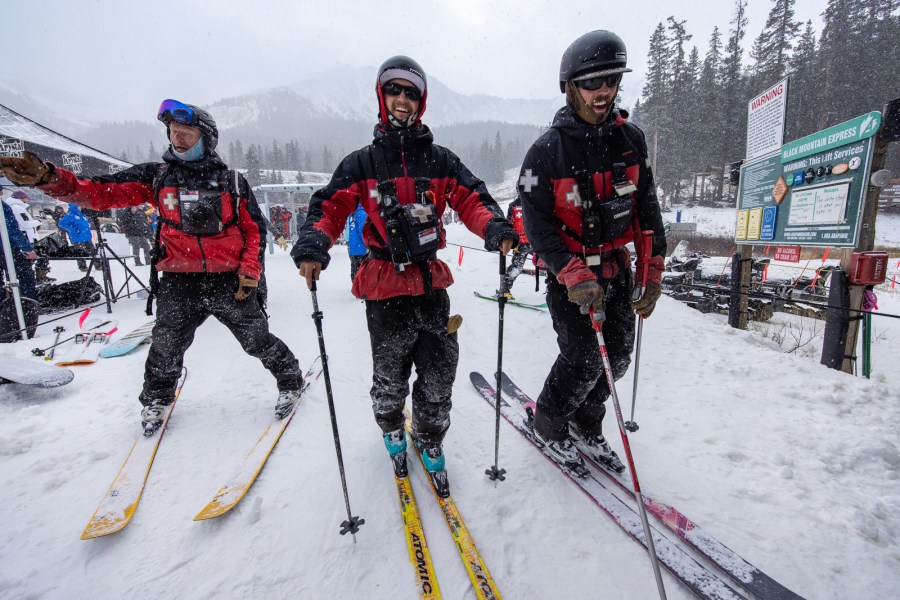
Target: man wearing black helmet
{"x":587,"y":191}
{"x":209,"y":246}
{"x":404,"y":182}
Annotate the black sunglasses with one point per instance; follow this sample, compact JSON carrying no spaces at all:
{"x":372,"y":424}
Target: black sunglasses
{"x":595,"y":83}
{"x":394,"y":89}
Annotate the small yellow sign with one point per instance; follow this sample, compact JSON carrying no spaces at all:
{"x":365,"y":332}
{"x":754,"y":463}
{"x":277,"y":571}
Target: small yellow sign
{"x":754,"y":223}
{"x":741,"y":227}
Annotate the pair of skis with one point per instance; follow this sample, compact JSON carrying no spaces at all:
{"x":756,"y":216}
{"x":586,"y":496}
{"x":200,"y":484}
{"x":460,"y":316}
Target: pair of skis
{"x":746,"y":581}
{"x":419,"y":555}
{"x":118,"y":505}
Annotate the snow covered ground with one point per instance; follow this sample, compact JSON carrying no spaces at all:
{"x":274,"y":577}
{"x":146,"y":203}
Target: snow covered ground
{"x":792,"y":465}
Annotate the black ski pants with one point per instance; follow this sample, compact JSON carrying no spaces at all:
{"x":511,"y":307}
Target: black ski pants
{"x":576,"y":388}
{"x":184,"y":301}
{"x":407,"y":331}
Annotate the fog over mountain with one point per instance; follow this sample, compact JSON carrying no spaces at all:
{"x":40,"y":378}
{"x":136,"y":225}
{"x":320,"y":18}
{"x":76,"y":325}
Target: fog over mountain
{"x":336,"y":109}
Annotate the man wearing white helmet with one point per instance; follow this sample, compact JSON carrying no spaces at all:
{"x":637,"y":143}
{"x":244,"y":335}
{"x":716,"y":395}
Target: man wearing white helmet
{"x":404,"y":182}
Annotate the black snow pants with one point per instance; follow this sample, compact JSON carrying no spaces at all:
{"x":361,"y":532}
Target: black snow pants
{"x":407,"y":331}
{"x":184,"y":301}
{"x":576,"y":388}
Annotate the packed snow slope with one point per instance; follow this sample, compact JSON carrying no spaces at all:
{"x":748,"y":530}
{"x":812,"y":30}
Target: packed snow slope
{"x":792,"y":465}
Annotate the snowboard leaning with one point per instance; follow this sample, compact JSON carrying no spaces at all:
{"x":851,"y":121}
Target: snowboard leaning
{"x":26,"y":372}
{"x":129,"y":342}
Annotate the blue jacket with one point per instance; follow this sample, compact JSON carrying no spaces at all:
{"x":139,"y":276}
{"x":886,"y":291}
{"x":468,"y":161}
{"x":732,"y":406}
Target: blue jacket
{"x":355,"y":222}
{"x":76,"y":225}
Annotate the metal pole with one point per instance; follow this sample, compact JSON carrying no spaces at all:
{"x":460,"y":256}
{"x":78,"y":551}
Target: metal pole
{"x":495,"y":473}
{"x":648,"y":533}
{"x":352,"y":524}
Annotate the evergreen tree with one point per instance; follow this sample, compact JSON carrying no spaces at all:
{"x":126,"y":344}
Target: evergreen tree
{"x":152,"y":154}
{"x":733,"y":134}
{"x":839,"y":51}
{"x":327,"y":160}
{"x":237,"y":159}
{"x":803,"y":92}
{"x":772,"y":48}
{"x":277,"y":157}
{"x":253,"y":174}
{"x":710,"y":105}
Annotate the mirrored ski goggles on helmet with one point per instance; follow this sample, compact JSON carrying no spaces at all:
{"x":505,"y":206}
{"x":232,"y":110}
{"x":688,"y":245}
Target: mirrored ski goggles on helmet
{"x":173,"y":110}
{"x":595,"y":83}
{"x":394,"y":89}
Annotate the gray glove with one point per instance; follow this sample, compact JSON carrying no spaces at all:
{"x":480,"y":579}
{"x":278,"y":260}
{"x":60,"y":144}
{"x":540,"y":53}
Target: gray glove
{"x":588,"y":294}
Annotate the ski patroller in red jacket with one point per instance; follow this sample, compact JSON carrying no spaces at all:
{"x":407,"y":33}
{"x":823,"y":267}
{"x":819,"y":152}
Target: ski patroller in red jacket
{"x":237,"y":248}
{"x":355,"y":182}
{"x":552,"y":204}
{"x":514,"y":214}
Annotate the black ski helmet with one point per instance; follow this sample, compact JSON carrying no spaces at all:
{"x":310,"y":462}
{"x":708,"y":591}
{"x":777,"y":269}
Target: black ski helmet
{"x":595,"y":53}
{"x":400,"y":67}
{"x":207,"y":125}
{"x":199,"y":118}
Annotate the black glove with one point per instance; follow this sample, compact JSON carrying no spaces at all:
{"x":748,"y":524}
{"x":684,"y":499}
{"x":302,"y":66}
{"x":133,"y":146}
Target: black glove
{"x":644,"y":307}
{"x":28,"y":170}
{"x":588,"y":294}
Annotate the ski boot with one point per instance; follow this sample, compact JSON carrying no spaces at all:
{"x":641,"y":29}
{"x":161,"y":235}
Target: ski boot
{"x":564,"y":452}
{"x":285,"y":403}
{"x":152,"y":417}
{"x":432,"y":454}
{"x":395,"y":442}
{"x":597,"y":448}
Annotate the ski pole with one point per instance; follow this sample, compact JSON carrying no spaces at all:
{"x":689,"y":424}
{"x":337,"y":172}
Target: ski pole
{"x":637,"y":294}
{"x":651,"y":548}
{"x":495,"y":473}
{"x":58,"y":329}
{"x":352,"y":524}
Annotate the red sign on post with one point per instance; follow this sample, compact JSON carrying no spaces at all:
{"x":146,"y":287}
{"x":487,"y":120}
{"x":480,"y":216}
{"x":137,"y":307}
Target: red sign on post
{"x":787,"y":253}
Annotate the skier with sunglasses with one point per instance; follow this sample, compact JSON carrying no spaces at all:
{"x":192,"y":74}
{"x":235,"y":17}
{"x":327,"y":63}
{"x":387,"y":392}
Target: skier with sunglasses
{"x":209,"y":248}
{"x":404,"y":182}
{"x":587,"y":192}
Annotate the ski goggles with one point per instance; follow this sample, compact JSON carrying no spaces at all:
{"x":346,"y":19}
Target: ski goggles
{"x":595,"y":83}
{"x":173,"y":110}
{"x":394,"y":89}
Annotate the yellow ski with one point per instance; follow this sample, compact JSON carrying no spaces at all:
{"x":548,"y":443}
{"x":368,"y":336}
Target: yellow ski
{"x":121,"y":500}
{"x":419,"y":555}
{"x":233,"y":491}
{"x":482,"y":582}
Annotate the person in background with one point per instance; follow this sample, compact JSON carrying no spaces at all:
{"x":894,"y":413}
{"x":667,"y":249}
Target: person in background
{"x":76,"y":225}
{"x":19,"y":202}
{"x":23,"y":255}
{"x":137,"y":230}
{"x":210,"y":252}
{"x":520,"y":254}
{"x":587,"y":191}
{"x":356,"y":245}
{"x":404,"y":181}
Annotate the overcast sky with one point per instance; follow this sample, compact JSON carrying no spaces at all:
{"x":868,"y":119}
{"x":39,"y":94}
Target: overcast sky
{"x":119,"y":59}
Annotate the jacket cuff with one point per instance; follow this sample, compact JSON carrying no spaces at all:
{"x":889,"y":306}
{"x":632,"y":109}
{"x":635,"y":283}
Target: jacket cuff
{"x":654,"y":268}
{"x":575,"y":272}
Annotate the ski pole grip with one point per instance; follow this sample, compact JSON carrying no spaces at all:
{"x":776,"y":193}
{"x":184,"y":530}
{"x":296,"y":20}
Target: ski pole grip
{"x":313,"y":288}
{"x":646,"y":250}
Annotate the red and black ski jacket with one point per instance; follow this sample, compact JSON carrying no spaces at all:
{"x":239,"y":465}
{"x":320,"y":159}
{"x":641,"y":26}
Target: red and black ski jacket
{"x":238,"y":247}
{"x":552,"y":186}
{"x":409,"y":153}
